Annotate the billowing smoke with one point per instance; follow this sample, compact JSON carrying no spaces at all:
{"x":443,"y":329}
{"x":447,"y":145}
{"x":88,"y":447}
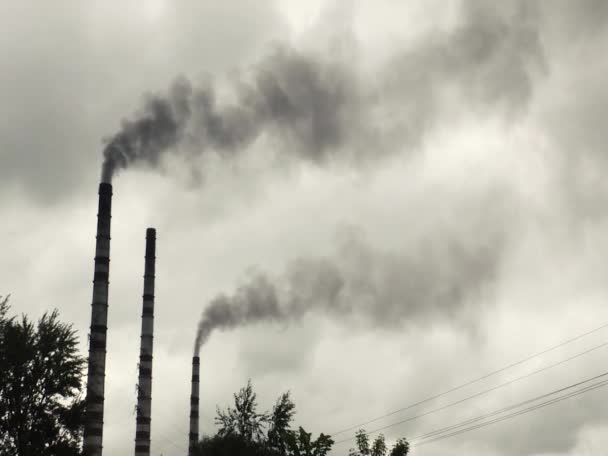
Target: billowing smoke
{"x":443,"y":279}
{"x":320,"y":107}
{"x":301,"y":100}
{"x":156,"y":129}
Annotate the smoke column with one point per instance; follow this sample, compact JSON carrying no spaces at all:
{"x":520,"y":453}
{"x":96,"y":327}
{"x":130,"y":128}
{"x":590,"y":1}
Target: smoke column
{"x":360,"y":282}
{"x":322,"y":108}
{"x":93,"y":428}
{"x":144,"y":385}
{"x":293,"y":96}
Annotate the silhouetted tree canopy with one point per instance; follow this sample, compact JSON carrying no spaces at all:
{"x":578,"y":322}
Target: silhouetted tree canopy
{"x":279,"y":422}
{"x":378,"y":447}
{"x":243,"y":431}
{"x":300,"y":443}
{"x":232,"y":445}
{"x":41,"y":409}
{"x":242,"y":420}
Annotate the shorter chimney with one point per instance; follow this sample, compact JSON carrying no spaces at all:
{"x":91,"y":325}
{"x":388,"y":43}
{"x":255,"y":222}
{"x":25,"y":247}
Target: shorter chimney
{"x":194,"y":397}
{"x":144,"y":383}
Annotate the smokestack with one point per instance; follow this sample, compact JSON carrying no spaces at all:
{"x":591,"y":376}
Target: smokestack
{"x":193,"y":436}
{"x":93,"y":429}
{"x":144,"y":388}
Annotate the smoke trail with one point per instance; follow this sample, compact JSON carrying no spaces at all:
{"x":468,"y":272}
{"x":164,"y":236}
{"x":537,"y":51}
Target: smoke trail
{"x":252,"y":302}
{"x":158,"y":127}
{"x":321,"y":107}
{"x":384,"y":289}
{"x":308,"y":103}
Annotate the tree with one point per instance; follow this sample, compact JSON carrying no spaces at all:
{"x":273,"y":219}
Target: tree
{"x":401,"y":448}
{"x":242,"y":420}
{"x":242,"y":431}
{"x":41,"y":409}
{"x":300,"y":443}
{"x":231,"y":445}
{"x":245,"y":432}
{"x":279,"y":422}
{"x":378,"y":446}
{"x":362,"y":443}
{"x":3,"y":311}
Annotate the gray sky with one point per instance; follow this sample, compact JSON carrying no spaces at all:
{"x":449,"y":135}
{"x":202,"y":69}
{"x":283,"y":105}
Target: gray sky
{"x":454,"y":190}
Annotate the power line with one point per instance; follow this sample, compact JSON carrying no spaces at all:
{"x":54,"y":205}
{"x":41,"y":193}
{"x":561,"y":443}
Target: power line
{"x":172,"y":443}
{"x":515,"y":414}
{"x":511,"y":407}
{"x":164,"y":439}
{"x":441,"y":433}
{"x":470,"y":382}
{"x":481,"y":393}
{"x":176,"y":428}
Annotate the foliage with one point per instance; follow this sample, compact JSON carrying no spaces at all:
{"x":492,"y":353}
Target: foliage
{"x":4,"y":307}
{"x":41,"y":410}
{"x":401,"y":448}
{"x":279,"y":421}
{"x":300,"y":443}
{"x":244,"y":431}
{"x":231,"y":445}
{"x":378,"y":446}
{"x":242,"y":420}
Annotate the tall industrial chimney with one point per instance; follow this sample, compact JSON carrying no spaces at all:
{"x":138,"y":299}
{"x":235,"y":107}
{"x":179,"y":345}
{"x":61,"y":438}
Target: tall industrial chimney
{"x":93,"y":428}
{"x":193,"y":436}
{"x":144,"y":388}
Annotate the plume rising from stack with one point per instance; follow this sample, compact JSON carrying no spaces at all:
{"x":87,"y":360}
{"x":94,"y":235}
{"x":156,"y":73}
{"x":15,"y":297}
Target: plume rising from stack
{"x":194,"y":400}
{"x":144,"y":388}
{"x":93,"y":430}
{"x":324,"y":108}
{"x":369,"y":285}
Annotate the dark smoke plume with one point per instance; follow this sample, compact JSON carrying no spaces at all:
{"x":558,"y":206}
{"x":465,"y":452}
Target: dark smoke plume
{"x":320,"y":107}
{"x":305,"y":102}
{"x":158,"y":127}
{"x":442,"y":280}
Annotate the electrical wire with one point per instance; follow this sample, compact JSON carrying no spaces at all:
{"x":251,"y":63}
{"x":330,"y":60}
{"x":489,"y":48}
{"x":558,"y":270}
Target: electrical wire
{"x":481,"y":393}
{"x":471,"y":382}
{"x":511,"y":407}
{"x":515,"y":414}
{"x":172,"y":443}
{"x":164,"y":437}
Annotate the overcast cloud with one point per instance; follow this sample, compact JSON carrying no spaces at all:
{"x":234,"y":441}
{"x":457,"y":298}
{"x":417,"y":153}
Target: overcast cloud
{"x":418,"y":185}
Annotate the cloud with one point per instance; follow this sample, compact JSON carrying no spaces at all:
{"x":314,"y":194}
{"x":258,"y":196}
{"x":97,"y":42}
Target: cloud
{"x":319,"y":106}
{"x":442,"y":277}
{"x":71,"y":71}
{"x":482,"y":216}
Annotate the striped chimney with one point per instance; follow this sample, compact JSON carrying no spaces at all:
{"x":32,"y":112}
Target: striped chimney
{"x":193,"y":436}
{"x":93,"y":428}
{"x":144,"y":385}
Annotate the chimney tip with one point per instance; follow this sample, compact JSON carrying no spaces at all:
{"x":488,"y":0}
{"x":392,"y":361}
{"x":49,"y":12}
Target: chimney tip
{"x":105,"y":188}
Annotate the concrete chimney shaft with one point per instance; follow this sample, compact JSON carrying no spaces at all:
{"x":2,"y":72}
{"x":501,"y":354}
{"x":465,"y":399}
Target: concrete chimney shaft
{"x":144,"y":384}
{"x":194,"y":399}
{"x":93,"y":429}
